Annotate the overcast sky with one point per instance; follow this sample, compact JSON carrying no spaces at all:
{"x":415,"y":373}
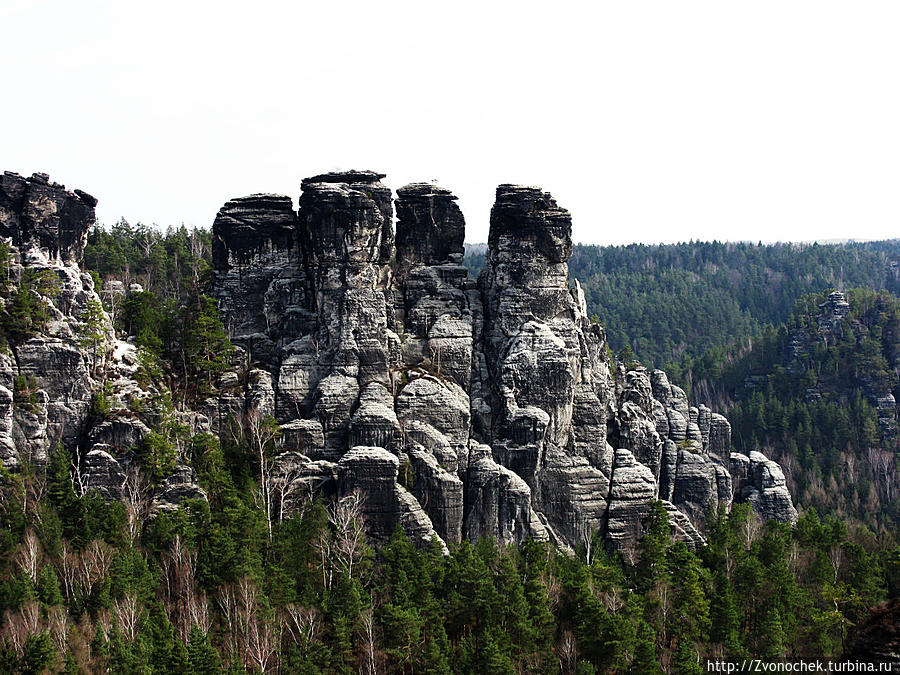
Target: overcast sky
{"x":649,"y":121}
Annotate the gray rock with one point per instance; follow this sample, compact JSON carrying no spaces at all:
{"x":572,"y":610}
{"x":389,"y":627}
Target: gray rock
{"x":8,"y":454}
{"x":633,"y":488}
{"x":719,"y":437}
{"x":374,"y":422}
{"x":498,"y":502}
{"x":572,"y":495}
{"x":260,"y":395}
{"x":440,"y":403}
{"x":119,"y":433}
{"x":430,"y":226}
{"x":677,"y":425}
{"x":249,"y":228}
{"x":766,"y":490}
{"x":638,"y":433}
{"x":101,"y":472}
{"x":35,"y":213}
{"x":696,"y":486}
{"x":181,"y":485}
{"x":682,"y":527}
{"x":439,"y":491}
{"x":373,"y":471}
{"x":302,"y":436}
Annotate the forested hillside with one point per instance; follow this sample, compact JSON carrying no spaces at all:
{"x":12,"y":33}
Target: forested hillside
{"x":86,"y":589}
{"x":89,"y":585}
{"x":819,"y":395}
{"x":167,"y":263}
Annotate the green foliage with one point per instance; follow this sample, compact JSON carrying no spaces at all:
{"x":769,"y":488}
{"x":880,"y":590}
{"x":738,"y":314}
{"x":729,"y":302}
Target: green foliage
{"x":755,"y":590}
{"x":807,"y":396}
{"x":92,"y":332}
{"x":144,"y":316}
{"x":25,"y":393}
{"x":27,"y":312}
{"x":47,"y":587}
{"x":203,"y":658}
{"x":158,"y":455}
{"x":181,"y":339}
{"x":164,"y":263}
{"x":38,"y":653}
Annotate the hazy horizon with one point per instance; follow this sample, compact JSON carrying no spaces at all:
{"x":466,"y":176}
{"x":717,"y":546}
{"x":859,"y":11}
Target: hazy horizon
{"x":658,"y":122}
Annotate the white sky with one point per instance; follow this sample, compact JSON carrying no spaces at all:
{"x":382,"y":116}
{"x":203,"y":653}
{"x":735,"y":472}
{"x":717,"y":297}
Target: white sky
{"x":650,"y":121}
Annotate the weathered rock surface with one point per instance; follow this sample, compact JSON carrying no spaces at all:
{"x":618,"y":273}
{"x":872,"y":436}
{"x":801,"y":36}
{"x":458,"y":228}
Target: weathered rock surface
{"x":50,"y":381}
{"x":760,"y":481}
{"x":180,"y":485}
{"x":103,"y":473}
{"x":453,"y":408}
{"x":497,"y":400}
{"x":37,"y":214}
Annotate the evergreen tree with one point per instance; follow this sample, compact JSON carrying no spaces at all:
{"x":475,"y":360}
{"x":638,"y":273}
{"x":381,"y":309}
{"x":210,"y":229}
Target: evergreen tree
{"x":38,"y":653}
{"x":92,"y":333}
{"x":203,"y":659}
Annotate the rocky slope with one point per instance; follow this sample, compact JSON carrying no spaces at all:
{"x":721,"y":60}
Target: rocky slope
{"x":69,"y":382}
{"x":458,"y":409}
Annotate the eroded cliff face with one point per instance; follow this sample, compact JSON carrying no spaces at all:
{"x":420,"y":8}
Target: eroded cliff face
{"x":52,"y":377}
{"x":461,"y":408}
{"x":457,"y":409}
{"x":45,"y":380}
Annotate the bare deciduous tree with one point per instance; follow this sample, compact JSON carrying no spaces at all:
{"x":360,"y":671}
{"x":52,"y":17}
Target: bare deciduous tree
{"x":367,"y":631}
{"x":567,"y":652}
{"x":751,"y":528}
{"x":264,"y":642}
{"x":346,"y":515}
{"x":129,"y":614}
{"x":612,"y":599}
{"x":66,"y":568}
{"x":260,"y":431}
{"x":35,"y":487}
{"x":283,"y":487}
{"x":28,"y":556}
{"x":187,"y":605}
{"x":303,"y":624}
{"x":252,"y":634}
{"x":17,"y":626}
{"x":586,"y":536}
{"x":92,"y":565}
{"x":136,"y":495}
{"x":836,"y":558}
{"x":58,"y":627}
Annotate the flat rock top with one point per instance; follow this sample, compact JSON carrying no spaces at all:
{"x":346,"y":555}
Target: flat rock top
{"x":367,"y":454}
{"x":527,"y":198}
{"x":259,"y":198}
{"x":414,"y":190}
{"x":351,"y":176}
{"x":11,"y":178}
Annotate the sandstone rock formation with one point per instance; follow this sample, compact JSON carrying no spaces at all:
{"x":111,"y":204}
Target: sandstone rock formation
{"x":465,"y":409}
{"x":448,"y":407}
